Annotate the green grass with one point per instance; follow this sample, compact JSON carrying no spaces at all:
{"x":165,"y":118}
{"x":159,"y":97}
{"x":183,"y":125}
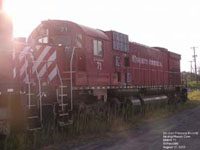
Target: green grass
{"x":195,"y":95}
{"x":194,"y":85}
{"x":166,"y":111}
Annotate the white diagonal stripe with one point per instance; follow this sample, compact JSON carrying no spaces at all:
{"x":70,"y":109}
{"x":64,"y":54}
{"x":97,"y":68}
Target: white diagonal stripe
{"x":52,"y":57}
{"x":14,"y":72}
{"x":52,"y":74}
{"x":25,"y":49}
{"x":23,"y":68}
{"x":23,"y":53}
{"x":38,"y":47}
{"x":79,"y":40}
{"x":42,"y":71}
{"x":49,"y":62}
{"x":41,"y":57}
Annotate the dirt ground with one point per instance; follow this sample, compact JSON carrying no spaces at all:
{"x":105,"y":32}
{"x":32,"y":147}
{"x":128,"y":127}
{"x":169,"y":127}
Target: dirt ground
{"x":183,"y":129}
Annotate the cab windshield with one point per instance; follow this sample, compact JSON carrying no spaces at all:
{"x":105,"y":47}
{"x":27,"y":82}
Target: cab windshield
{"x":54,"y":34}
{"x":59,"y":35}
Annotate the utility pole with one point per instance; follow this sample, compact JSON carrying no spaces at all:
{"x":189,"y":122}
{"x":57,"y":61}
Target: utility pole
{"x":195,"y":65}
{"x":191,"y":70}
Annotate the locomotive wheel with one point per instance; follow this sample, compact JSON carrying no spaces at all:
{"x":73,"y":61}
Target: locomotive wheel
{"x":128,"y":108}
{"x":92,"y":109}
{"x":115,"y":103}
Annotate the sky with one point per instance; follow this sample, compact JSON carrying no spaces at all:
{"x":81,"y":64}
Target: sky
{"x":173,"y":24}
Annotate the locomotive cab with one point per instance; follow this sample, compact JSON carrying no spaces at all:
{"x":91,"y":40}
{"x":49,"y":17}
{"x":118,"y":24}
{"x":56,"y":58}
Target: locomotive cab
{"x":64,"y":37}
{"x":51,"y":33}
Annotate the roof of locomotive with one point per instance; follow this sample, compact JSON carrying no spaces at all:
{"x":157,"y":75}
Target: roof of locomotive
{"x":157,"y":49}
{"x":145,"y":46}
{"x":86,"y":30}
{"x":96,"y":33}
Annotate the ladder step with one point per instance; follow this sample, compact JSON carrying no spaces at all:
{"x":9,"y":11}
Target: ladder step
{"x":62,"y":124}
{"x":63,"y":105}
{"x":62,"y":94}
{"x":28,"y":82}
{"x":30,"y":94}
{"x":31,"y":105}
{"x":33,"y":117}
{"x":34,"y":129}
{"x":64,"y":114}
{"x":69,"y":71}
{"x":69,"y":123}
{"x":66,"y":79}
{"x":63,"y":86}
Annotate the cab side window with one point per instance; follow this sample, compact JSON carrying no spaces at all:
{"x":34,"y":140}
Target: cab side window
{"x":42,"y":34}
{"x":117,"y":61}
{"x":98,"y":48}
{"x":43,"y":40}
{"x":126,"y":62}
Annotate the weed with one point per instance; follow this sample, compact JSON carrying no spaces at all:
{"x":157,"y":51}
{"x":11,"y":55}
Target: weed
{"x":94,"y":125}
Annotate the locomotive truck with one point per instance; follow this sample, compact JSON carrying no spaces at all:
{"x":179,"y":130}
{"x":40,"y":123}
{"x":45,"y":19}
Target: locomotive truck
{"x":63,"y":67}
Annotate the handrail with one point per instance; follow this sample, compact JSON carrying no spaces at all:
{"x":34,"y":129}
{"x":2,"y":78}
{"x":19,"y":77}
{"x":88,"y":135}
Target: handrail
{"x":29,"y":86}
{"x":60,"y":78}
{"x":59,"y":75}
{"x":71,"y":77}
{"x":39,"y":84}
{"x":40,"y":89}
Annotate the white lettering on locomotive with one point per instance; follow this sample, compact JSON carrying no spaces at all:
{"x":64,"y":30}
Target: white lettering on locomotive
{"x":99,"y":65}
{"x":145,"y":61}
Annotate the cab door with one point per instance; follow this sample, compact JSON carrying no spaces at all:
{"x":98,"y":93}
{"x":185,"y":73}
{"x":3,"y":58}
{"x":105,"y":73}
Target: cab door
{"x":127,"y":70}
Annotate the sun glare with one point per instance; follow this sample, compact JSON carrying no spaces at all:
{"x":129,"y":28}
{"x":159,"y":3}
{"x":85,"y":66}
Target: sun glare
{"x":8,"y":8}
{"x":22,"y":17}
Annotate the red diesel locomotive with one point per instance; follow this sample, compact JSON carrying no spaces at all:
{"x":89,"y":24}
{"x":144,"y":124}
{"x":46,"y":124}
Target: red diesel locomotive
{"x":64,"y":65}
{"x":104,"y":59}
